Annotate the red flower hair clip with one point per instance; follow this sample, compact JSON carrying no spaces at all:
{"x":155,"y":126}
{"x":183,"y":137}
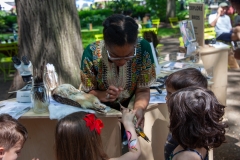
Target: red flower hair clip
{"x":93,"y":123}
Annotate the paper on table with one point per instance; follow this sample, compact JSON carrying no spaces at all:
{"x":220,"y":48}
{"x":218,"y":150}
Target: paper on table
{"x":219,"y":45}
{"x":155,"y":97}
{"x":59,"y":110}
{"x":14,"y":109}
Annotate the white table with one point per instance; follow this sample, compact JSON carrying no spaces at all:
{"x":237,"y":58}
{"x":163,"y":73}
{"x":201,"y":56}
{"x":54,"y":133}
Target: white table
{"x":41,"y":129}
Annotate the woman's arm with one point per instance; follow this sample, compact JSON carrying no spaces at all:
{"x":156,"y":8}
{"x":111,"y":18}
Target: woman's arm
{"x":133,"y":144}
{"x":142,"y":97}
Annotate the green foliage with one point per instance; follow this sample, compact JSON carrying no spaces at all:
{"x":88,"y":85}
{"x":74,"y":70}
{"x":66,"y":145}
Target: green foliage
{"x":139,"y":11}
{"x":3,"y":26}
{"x":7,"y":21}
{"x":189,"y":1}
{"x":182,"y":14}
{"x":120,"y":6}
{"x":157,"y":8}
{"x":96,"y":17}
{"x":10,"y":20}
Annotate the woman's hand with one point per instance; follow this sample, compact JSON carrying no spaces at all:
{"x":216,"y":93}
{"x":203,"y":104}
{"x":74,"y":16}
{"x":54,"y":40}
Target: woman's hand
{"x":113,"y":92}
{"x":219,"y":11}
{"x":140,"y":117}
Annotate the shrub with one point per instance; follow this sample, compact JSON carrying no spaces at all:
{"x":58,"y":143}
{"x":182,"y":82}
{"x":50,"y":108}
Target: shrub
{"x":10,"y":20}
{"x":139,"y":11}
{"x":95,"y":17}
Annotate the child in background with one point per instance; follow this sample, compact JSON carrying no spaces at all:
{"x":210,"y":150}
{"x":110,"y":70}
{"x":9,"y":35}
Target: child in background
{"x":12,"y":137}
{"x":178,"y":80}
{"x":195,"y":122}
{"x":147,"y":20}
{"x":77,"y":137}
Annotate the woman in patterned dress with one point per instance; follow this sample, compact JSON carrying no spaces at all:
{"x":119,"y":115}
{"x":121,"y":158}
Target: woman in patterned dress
{"x":119,"y":67}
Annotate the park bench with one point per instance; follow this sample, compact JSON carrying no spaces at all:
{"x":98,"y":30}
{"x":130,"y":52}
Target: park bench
{"x":174,"y":22}
{"x":7,"y":51}
{"x":156,"y":23}
{"x":98,"y":37}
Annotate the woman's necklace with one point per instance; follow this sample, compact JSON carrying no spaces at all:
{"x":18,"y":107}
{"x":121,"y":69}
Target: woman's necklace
{"x":116,"y":76}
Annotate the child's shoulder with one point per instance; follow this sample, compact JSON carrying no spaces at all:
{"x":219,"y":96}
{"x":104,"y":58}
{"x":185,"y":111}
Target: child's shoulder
{"x":187,"y":155}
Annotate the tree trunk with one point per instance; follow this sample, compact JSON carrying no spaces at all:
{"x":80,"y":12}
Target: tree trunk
{"x":171,"y":9}
{"x":49,"y":30}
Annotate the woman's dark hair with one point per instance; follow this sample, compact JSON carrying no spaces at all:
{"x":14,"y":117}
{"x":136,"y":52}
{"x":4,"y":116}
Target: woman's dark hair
{"x":185,"y":78}
{"x":74,"y":140}
{"x":120,"y":30}
{"x":196,"y":118}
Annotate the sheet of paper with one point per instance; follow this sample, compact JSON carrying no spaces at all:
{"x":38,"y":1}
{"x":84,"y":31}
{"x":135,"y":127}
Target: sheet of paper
{"x":219,"y":45}
{"x":155,"y":97}
{"x":15,"y":109}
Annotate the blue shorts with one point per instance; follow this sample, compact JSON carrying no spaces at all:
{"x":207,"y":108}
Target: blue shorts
{"x":226,"y":37}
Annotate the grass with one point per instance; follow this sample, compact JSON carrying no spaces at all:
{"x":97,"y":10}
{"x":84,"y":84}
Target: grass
{"x":168,"y":32}
{"x":88,"y":37}
{"x":4,"y":36}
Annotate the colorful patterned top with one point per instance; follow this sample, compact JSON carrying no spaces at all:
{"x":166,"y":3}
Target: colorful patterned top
{"x":97,"y":73}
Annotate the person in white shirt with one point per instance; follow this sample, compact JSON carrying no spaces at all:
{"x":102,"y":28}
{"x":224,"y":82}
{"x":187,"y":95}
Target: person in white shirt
{"x":222,"y":24}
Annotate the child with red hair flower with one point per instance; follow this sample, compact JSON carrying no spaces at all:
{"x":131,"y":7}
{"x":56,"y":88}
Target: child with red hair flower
{"x":77,"y":137}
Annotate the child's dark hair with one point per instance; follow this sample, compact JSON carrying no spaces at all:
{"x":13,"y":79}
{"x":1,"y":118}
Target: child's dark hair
{"x":196,"y":118}
{"x":11,"y":132}
{"x":185,"y":78}
{"x":120,"y":30}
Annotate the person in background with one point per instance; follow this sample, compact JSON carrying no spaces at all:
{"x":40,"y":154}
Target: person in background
{"x":147,"y":20}
{"x":195,"y":122}
{"x":230,"y":12}
{"x":236,"y":5}
{"x":119,"y":67}
{"x":139,"y":23}
{"x":236,"y":21}
{"x":77,"y":137}
{"x":128,"y":13}
{"x":99,"y":6}
{"x":222,"y":24}
{"x":176,"y":81}
{"x":12,"y":137}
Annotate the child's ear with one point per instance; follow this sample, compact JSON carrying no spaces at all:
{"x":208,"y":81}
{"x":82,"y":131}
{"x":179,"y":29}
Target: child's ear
{"x":1,"y":152}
